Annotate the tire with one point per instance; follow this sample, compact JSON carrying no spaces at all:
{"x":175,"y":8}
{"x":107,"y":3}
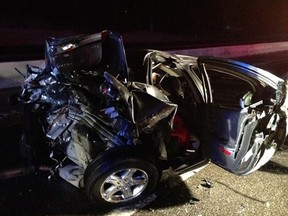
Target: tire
{"x":120,"y":181}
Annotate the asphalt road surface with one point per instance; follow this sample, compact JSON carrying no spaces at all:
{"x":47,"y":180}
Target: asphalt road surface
{"x":212,"y":191}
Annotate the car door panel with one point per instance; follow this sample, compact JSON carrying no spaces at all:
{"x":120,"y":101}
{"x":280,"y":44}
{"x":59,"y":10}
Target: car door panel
{"x":236,"y":138}
{"x":239,"y":137}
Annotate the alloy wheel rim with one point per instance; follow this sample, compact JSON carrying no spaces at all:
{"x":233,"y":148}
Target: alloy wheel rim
{"x":124,"y":185}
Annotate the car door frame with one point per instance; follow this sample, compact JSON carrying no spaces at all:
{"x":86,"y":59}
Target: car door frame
{"x":244,"y":156}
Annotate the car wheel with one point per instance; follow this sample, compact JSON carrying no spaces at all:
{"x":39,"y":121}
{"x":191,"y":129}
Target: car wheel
{"x":119,"y":182}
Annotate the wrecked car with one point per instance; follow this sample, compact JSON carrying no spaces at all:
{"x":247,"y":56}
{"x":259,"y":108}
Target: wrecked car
{"x":112,"y":128}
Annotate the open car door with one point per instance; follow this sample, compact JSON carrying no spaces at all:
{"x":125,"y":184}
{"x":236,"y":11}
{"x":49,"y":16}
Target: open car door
{"x":241,"y":127}
{"x":238,"y":111}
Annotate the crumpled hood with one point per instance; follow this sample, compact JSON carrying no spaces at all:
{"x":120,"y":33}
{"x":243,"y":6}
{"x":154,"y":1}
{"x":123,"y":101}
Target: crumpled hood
{"x":83,"y":58}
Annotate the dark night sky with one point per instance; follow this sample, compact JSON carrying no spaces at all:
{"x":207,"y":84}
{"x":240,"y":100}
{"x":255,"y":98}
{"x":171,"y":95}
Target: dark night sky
{"x":197,"y":21}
